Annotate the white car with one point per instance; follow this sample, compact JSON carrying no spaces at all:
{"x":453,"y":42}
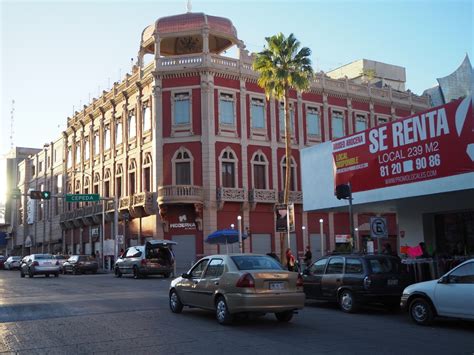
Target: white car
{"x":13,"y":262}
{"x":450,"y":296}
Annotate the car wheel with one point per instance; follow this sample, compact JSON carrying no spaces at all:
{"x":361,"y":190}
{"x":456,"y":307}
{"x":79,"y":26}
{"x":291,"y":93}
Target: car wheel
{"x":94,"y":271}
{"x":222,"y":312}
{"x":175,"y":303}
{"x":347,"y":302}
{"x":166,"y":275}
{"x":421,"y":311}
{"x":22,"y":274}
{"x":46,"y":275}
{"x":63,"y":271}
{"x":56,"y":274}
{"x":118,"y":273}
{"x":136,"y":273}
{"x":284,"y":316}
{"x":74,"y":271}
{"x":30,"y":273}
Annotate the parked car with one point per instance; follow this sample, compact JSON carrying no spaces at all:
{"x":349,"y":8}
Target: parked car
{"x":62,"y":259}
{"x":238,"y":283}
{"x":80,"y":264}
{"x":450,"y":296}
{"x":355,"y":279}
{"x":154,"y":258}
{"x":13,"y":262}
{"x":2,"y":261}
{"x":39,"y":264}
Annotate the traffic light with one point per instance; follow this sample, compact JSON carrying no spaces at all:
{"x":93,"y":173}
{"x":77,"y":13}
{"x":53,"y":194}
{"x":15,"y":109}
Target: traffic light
{"x":343,"y":191}
{"x":40,"y":195}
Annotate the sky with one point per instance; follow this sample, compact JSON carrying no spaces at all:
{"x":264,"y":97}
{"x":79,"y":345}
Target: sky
{"x":58,"y":55}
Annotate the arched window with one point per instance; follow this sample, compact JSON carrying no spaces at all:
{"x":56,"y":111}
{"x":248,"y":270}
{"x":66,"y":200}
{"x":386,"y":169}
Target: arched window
{"x":96,"y":183}
{"x":132,"y":125}
{"x":182,"y":167}
{"x":146,"y":186}
{"x":146,"y":116}
{"x":118,"y":181}
{"x":118,"y":132}
{"x":132,"y":174}
{"x":77,"y":191}
{"x":260,"y":171}
{"x":293,"y":182}
{"x":106,"y":191}
{"x":86,"y":185}
{"x":229,"y":170}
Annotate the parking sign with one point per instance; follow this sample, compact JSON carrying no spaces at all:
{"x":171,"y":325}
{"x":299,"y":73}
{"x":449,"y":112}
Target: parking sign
{"x":378,"y":227}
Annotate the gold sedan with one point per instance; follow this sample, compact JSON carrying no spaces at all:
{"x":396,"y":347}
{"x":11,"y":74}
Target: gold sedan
{"x":238,"y":283}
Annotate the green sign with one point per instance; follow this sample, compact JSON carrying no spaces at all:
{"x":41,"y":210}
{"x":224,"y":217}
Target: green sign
{"x":82,"y":197}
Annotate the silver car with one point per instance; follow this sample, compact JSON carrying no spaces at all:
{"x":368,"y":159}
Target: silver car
{"x":239,"y":283}
{"x":39,"y":264}
{"x":13,"y":262}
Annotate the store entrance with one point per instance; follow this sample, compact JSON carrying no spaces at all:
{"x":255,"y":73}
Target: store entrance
{"x":455,"y":233}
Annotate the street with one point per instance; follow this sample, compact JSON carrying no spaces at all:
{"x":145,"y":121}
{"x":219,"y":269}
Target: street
{"x":87,"y":314}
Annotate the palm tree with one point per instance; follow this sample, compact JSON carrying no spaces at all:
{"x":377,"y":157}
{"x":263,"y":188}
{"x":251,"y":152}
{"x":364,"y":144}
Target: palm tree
{"x":283,"y":66}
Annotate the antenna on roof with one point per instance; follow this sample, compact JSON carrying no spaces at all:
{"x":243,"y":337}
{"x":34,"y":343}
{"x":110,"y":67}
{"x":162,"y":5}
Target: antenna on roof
{"x":189,"y":7}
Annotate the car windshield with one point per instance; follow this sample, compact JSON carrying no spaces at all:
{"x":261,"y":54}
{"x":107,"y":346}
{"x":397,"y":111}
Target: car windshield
{"x":60,"y":257}
{"x":43,"y":256}
{"x":74,"y":258}
{"x":14,"y":258}
{"x":384,"y":266}
{"x":256,"y":262}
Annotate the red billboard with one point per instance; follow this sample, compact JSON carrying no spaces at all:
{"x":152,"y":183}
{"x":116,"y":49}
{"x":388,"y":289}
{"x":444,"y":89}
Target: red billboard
{"x":432,"y":144}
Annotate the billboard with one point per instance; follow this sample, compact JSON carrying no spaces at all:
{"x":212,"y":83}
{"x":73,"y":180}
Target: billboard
{"x":433,"y":144}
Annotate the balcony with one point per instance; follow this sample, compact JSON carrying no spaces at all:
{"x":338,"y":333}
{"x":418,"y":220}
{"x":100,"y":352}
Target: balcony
{"x":124,"y":203}
{"x":229,"y":194}
{"x":142,"y":204}
{"x":261,"y":196}
{"x":295,"y":197}
{"x":180,"y":194}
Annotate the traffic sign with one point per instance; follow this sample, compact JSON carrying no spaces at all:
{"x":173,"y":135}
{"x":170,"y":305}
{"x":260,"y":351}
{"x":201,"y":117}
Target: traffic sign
{"x":82,"y":197}
{"x":378,"y":227}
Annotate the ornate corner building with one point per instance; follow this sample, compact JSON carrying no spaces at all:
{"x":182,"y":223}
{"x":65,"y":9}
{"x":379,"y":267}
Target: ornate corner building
{"x":187,"y":142}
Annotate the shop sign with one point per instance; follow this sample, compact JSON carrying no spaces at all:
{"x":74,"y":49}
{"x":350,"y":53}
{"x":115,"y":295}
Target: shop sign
{"x":436,"y":143}
{"x":183,"y":223}
{"x":343,"y":238}
{"x":281,"y":214}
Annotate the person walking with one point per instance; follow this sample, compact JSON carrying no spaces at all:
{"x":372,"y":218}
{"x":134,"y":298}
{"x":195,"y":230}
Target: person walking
{"x":308,"y":256}
{"x":290,"y":260}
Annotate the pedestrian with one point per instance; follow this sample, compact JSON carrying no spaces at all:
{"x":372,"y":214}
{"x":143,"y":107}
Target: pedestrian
{"x":387,"y":249}
{"x":122,"y":252}
{"x":308,"y":256}
{"x":290,"y":260}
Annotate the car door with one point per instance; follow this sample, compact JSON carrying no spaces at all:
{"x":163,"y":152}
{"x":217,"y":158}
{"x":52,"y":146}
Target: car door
{"x":188,"y":287}
{"x":312,"y":278}
{"x":210,"y":283}
{"x":332,"y":278}
{"x":455,"y":296}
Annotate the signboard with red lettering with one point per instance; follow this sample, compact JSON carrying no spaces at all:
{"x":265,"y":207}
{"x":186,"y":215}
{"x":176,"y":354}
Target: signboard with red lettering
{"x":433,"y":144}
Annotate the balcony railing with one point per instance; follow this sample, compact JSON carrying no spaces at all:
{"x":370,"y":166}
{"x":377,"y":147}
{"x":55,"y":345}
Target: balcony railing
{"x":229,"y":194}
{"x":180,"y":194}
{"x":124,"y":203}
{"x":295,"y":197}
{"x":262,"y":196}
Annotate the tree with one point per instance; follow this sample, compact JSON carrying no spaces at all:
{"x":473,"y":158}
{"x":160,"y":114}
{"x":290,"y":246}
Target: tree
{"x":283,"y":66}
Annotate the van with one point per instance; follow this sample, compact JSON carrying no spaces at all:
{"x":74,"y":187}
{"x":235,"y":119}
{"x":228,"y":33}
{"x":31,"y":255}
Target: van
{"x":156,"y":257}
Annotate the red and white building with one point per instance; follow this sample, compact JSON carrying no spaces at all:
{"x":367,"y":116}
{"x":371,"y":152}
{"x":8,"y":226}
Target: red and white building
{"x":188,"y":142}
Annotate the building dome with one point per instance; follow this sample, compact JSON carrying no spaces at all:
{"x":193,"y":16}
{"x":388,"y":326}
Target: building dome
{"x":183,"y":34}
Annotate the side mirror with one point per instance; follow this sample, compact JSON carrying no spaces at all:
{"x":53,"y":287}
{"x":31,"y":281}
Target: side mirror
{"x":185,"y":275}
{"x":443,"y":280}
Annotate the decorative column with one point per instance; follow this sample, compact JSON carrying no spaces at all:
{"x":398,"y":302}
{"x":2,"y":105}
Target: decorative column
{"x":157,"y":141}
{"x":327,"y":135}
{"x":349,"y":116}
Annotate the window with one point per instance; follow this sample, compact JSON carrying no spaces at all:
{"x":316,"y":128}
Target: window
{"x":118,"y":181}
{"x":292,"y":173}
{"x":335,"y":266}
{"x":383,"y":266}
{"x":282,"y":119}
{"x":69,"y":157}
{"x":198,"y":269}
{"x":132,"y":125}
{"x":78,"y":152}
{"x":146,"y":116}
{"x":40,"y":167}
{"x":118,"y":132}
{"x":228,"y":163}
{"x":133,"y":253}
{"x":181,"y":109}
{"x":259,"y":164}
{"x":353,"y":266}
{"x":257,"y":113}
{"x":226,"y":109}
{"x":463,"y":274}
{"x":86,"y":148}
{"x":382,"y":120}
{"x":182,"y":163}
{"x":33,"y":170}
{"x":96,"y":143}
{"x":313,"y":123}
{"x":96,"y":183}
{"x":318,"y":267}
{"x":361,"y":123}
{"x":215,"y":268}
{"x":256,"y":262}
{"x":107,"y":137}
{"x":147,"y":173}
{"x":106,"y":191}
{"x":132,"y":171}
{"x":337,"y":124}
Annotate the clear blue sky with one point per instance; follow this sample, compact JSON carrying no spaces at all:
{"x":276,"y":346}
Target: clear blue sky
{"x":55,"y":54}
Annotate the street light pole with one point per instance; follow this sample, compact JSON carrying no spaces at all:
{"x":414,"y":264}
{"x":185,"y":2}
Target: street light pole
{"x":239,"y":218}
{"x":322,"y":235}
{"x":115,"y":227}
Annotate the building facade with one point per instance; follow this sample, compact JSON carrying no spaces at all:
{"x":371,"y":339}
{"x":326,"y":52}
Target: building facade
{"x":187,"y":142}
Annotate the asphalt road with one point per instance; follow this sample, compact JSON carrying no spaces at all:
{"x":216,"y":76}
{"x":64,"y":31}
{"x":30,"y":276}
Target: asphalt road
{"x":88,"y":314}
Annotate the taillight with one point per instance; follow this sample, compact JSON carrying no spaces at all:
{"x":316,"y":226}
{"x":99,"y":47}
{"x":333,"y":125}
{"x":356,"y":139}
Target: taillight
{"x":35,"y":263}
{"x":299,"y":281}
{"x":246,"y":280}
{"x":367,"y":282}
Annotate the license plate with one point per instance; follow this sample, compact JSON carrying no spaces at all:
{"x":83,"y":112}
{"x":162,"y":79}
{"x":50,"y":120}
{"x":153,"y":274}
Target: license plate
{"x":392,"y":282}
{"x":277,"y":285}
{"x":46,"y":263}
